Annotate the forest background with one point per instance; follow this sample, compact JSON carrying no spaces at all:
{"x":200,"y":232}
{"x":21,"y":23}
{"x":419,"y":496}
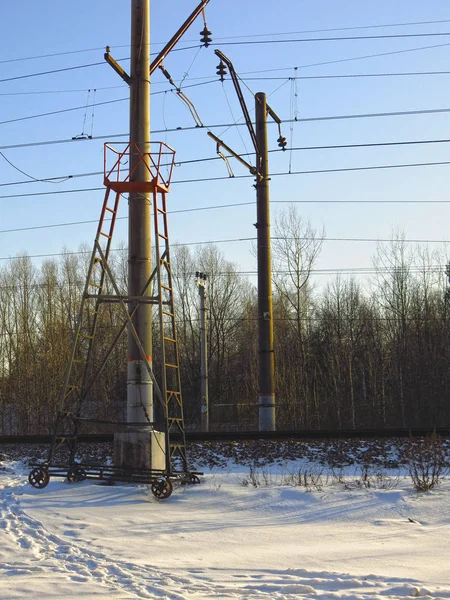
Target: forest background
{"x":345,"y":358}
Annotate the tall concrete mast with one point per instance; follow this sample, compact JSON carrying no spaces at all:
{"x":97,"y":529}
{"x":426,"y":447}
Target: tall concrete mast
{"x":140,"y":405}
{"x":139,"y":384}
{"x":266,"y":377}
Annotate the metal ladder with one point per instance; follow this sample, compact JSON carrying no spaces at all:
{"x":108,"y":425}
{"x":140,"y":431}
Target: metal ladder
{"x":170,"y":379}
{"x":76,"y":382}
{"x":80,"y":374}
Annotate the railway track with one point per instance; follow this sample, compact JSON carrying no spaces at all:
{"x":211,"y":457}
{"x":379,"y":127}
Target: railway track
{"x":199,"y":436}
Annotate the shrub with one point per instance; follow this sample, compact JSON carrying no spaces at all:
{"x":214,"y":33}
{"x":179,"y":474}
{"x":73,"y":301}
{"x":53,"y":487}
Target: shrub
{"x":427,"y":462}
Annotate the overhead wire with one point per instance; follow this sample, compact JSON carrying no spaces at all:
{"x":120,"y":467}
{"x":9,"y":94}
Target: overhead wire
{"x":88,"y":65}
{"x":75,"y":67}
{"x":348,"y":75}
{"x":410,"y":269}
{"x":293,"y":115}
{"x":229,"y":125}
{"x":208,"y":80}
{"x":278,"y":174}
{"x":51,"y":180}
{"x":73,"y":91}
{"x":337,"y":38}
{"x":51,"y":72}
{"x":59,"y":112}
{"x":348,"y":59}
{"x":244,"y":239}
{"x":294,"y":149}
{"x":205,"y":208}
{"x":357,"y":27}
{"x":354,"y":27}
{"x":218,"y":206}
{"x":320,"y":171}
{"x":56,"y":112}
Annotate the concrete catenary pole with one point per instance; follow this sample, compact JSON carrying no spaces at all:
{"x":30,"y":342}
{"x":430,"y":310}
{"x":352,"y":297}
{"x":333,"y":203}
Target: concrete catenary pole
{"x":201,"y":282}
{"x":139,"y":384}
{"x":266,"y":383}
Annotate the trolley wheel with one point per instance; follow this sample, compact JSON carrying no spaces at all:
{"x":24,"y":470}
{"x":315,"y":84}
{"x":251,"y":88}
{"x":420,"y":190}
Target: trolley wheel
{"x":162,"y":488}
{"x":76,"y":474}
{"x":39,"y":478}
{"x":193,"y":479}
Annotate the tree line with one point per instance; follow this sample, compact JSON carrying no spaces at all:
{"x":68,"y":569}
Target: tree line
{"x":347,"y":355}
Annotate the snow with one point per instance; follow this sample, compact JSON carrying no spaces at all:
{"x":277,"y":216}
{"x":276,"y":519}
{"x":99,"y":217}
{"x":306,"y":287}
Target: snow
{"x":223,"y":539}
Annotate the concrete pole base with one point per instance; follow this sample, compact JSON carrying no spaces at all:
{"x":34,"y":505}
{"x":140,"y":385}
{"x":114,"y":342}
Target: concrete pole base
{"x":140,"y":450}
{"x":267,"y":413}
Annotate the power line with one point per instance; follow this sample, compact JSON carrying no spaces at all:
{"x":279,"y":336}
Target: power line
{"x":336,"y":38}
{"x":244,"y":79}
{"x":38,"y":92}
{"x":68,"y":52}
{"x":357,"y":27}
{"x":50,"y":179}
{"x":100,"y":89}
{"x":85,"y":66}
{"x":235,"y":43}
{"x":97,"y":189}
{"x":203,"y":208}
{"x":228,"y":125}
{"x":347,"y":76}
{"x":51,"y":226}
{"x":320,"y":171}
{"x":280,"y":174}
{"x":218,"y":206}
{"x":335,"y":61}
{"x":80,"y":51}
{"x":58,"y":112}
{"x":325,"y":239}
{"x":248,"y":72}
{"x":29,"y":75}
{"x":239,"y":240}
{"x":367,"y":145}
{"x":215,"y":158}
{"x":349,"y":59}
{"x":52,"y":55}
{"x":399,"y":113}
{"x":30,"y":176}
{"x":410,"y":270}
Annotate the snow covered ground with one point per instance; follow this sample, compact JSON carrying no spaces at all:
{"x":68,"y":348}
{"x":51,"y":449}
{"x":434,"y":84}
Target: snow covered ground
{"x":224,"y":539}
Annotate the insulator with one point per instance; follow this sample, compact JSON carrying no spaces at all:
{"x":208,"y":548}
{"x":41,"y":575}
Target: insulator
{"x":222,"y":70}
{"x":205,"y":39}
{"x":282,"y":143}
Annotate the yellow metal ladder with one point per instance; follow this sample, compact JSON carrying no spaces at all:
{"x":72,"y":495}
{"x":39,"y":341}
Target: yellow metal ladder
{"x":75,"y":386}
{"x":170,"y":378}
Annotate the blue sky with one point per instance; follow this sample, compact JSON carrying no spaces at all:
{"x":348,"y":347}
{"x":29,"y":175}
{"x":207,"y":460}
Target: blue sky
{"x":78,"y":32}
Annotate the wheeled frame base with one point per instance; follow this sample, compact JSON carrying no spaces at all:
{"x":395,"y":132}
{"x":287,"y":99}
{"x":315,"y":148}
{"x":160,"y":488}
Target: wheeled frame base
{"x":161,"y":482}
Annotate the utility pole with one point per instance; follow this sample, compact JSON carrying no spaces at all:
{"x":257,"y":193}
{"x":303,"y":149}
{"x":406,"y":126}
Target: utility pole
{"x":266,"y":375}
{"x":140,"y":405}
{"x":266,"y":369}
{"x":139,"y":384}
{"x":201,"y":282}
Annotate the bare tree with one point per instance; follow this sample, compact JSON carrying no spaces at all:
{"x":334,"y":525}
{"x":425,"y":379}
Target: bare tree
{"x":296,"y":248}
{"x":395,"y":285}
